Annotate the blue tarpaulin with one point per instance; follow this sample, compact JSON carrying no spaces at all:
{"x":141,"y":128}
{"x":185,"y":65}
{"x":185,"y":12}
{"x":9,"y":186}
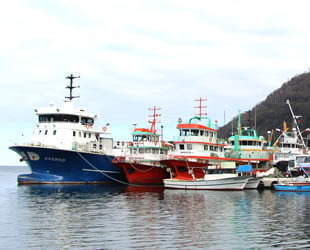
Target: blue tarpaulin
{"x":244,"y":168}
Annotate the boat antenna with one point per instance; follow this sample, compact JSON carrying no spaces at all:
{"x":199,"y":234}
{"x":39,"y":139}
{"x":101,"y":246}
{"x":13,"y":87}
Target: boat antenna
{"x":295,"y":121}
{"x":154,"y":121}
{"x":71,"y":87}
{"x":200,"y":107}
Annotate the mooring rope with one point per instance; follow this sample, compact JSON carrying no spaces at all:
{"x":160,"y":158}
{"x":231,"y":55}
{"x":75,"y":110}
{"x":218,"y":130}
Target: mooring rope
{"x":110,"y":177}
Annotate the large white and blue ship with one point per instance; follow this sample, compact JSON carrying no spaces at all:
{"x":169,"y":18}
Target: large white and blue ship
{"x":67,"y":148}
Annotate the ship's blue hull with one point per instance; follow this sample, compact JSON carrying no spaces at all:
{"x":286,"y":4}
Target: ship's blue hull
{"x":293,"y":188}
{"x":66,"y":166}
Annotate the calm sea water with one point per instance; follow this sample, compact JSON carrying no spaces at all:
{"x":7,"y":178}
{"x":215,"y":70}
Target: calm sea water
{"x":120,"y":217}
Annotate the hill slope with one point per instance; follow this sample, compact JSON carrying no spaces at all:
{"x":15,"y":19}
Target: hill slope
{"x":272,"y":112}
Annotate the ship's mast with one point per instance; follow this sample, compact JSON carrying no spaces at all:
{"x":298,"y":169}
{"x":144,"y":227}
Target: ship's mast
{"x":295,"y":121}
{"x":154,"y":121}
{"x":200,"y":107}
{"x":71,"y":87}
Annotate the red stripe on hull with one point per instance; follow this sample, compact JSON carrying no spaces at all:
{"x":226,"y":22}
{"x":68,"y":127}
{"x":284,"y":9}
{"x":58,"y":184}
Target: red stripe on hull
{"x":140,"y":174}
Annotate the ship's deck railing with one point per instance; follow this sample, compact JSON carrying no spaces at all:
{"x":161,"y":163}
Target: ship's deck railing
{"x":91,"y":147}
{"x":199,"y":139}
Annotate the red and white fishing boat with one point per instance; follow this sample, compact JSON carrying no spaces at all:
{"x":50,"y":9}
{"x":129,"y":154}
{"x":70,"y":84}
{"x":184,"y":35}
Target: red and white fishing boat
{"x":196,"y":145}
{"x":141,"y":166}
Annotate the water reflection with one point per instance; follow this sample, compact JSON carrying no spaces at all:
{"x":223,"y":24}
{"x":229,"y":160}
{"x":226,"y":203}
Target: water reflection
{"x":150,"y":217}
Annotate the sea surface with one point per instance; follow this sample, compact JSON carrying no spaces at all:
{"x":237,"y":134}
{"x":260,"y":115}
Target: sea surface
{"x":121,"y":217}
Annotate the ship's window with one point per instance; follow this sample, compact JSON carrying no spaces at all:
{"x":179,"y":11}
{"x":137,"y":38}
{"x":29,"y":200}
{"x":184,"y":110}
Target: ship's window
{"x":58,"y":118}
{"x":211,"y":134}
{"x":80,"y":134}
{"x":201,"y":132}
{"x":147,"y":150}
{"x":100,"y":146}
{"x":181,"y":146}
{"x":155,"y":150}
{"x":40,"y":132}
{"x":194,"y":132}
{"x":89,"y":135}
{"x":45,"y":132}
{"x":117,"y":143}
{"x":205,"y":147}
{"x":184,"y":132}
{"x":215,"y":148}
{"x":94,"y":146}
{"x":211,"y":148}
{"x":250,"y":143}
{"x":54,"y":132}
{"x":74,"y":133}
{"x":141,"y":150}
{"x":84,"y":135}
{"x":206,"y":133}
{"x":134,"y":150}
{"x":189,"y":147}
{"x":87,"y":120}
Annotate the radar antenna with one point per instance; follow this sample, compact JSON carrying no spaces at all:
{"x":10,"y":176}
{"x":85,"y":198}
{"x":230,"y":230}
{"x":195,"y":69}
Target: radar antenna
{"x":71,"y":87}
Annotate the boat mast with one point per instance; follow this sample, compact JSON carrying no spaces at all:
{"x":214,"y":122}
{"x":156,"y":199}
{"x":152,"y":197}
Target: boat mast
{"x":71,"y":87}
{"x":154,"y":121}
{"x":200,"y":100}
{"x":295,"y":121}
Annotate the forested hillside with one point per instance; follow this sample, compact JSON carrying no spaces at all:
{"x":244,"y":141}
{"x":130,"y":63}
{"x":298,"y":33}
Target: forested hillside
{"x":272,"y":112}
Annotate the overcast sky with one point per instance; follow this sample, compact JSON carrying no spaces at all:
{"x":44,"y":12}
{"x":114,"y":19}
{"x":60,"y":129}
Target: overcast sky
{"x":132,"y":55}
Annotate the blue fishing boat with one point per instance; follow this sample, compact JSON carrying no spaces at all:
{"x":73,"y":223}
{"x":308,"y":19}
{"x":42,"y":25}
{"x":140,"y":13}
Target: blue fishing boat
{"x":67,"y":148}
{"x":300,"y":184}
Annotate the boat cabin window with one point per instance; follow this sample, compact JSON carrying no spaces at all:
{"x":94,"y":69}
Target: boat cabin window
{"x":184,"y":132}
{"x":40,"y":132}
{"x":303,"y":159}
{"x":201,"y":132}
{"x":211,"y":134}
{"x":189,"y":146}
{"x":155,"y":150}
{"x":207,"y":133}
{"x":206,"y":147}
{"x":212,"y":148}
{"x":181,"y":146}
{"x":140,"y":138}
{"x":163,"y":151}
{"x":147,"y":150}
{"x":194,"y":132}
{"x":87,"y":120}
{"x":45,"y":132}
{"x":58,"y":118}
{"x":54,"y":132}
{"x":141,"y":150}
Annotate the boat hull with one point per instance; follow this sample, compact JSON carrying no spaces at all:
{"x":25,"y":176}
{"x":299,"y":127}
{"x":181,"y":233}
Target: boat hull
{"x":293,"y":187}
{"x":50,"y":165}
{"x":230,"y":183}
{"x":253,"y":183}
{"x":141,"y":174}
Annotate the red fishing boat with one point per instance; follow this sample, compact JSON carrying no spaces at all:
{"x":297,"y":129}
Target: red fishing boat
{"x":141,"y":166}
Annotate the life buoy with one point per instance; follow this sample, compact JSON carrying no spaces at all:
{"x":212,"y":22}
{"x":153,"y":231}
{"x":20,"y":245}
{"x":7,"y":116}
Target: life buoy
{"x":218,"y":166}
{"x":130,"y":144}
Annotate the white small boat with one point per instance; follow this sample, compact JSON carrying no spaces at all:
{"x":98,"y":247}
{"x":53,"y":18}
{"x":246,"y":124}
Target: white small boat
{"x":246,"y":170}
{"x":209,"y":182}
